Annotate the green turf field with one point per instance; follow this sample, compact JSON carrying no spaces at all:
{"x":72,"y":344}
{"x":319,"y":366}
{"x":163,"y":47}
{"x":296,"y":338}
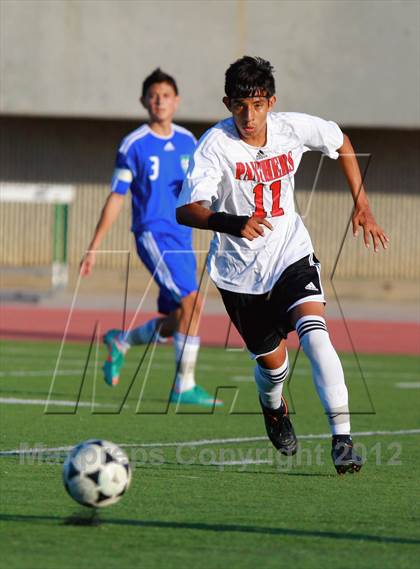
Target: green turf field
{"x":187,"y":507}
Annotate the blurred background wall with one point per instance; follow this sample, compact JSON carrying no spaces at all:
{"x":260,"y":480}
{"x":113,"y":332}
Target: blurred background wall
{"x":71,"y":73}
{"x":354,"y":61}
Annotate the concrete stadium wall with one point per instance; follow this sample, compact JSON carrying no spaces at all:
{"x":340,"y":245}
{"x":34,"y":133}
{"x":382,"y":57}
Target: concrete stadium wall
{"x":82,"y":151}
{"x":356,"y":62}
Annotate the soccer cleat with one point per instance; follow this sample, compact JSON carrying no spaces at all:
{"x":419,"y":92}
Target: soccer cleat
{"x":115,"y":359}
{"x":195,"y":396}
{"x":280,"y":429}
{"x":343,"y":455}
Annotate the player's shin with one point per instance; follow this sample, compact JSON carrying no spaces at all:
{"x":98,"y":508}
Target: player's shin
{"x":270,"y":384}
{"x":327,"y":372}
{"x":186,"y":352}
{"x":277,"y":422}
{"x":144,"y":334}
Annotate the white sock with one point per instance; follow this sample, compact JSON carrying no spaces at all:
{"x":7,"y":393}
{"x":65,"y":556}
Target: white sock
{"x":327,"y":371}
{"x":143,"y":334}
{"x":186,"y":352}
{"x":270,"y":383}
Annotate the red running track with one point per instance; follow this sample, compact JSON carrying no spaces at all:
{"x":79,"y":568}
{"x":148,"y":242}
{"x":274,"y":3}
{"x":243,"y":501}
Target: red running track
{"x":22,"y":322}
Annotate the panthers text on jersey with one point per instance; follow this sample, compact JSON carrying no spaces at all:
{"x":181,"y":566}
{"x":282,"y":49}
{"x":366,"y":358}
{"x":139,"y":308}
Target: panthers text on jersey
{"x":230,"y":176}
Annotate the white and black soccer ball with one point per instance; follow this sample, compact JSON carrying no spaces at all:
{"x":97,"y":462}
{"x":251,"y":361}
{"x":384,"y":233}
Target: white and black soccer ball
{"x":96,"y":473}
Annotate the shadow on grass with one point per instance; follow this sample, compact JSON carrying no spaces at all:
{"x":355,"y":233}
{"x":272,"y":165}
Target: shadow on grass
{"x":322,"y":474}
{"x":252,"y":469}
{"x":92,"y":519}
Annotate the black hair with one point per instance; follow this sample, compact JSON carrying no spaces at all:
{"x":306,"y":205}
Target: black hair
{"x":158,"y":76}
{"x":250,"y":77}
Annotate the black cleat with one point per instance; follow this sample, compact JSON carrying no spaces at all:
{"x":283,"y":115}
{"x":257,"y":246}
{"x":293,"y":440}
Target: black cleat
{"x":280,"y":429}
{"x":343,"y":455}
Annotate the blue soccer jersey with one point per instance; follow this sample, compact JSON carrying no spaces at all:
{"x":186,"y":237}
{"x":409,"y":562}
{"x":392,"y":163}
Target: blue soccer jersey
{"x":153,"y":167}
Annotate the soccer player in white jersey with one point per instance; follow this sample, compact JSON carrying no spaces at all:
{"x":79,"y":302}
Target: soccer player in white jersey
{"x":151,"y":163}
{"x":240,"y":184}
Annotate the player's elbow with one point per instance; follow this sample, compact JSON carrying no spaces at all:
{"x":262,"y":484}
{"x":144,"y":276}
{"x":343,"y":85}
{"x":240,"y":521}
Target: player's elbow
{"x":181,"y":215}
{"x":192,"y":215}
{"x":346,"y":143}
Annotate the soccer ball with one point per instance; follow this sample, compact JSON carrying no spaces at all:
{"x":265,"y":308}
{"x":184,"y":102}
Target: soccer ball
{"x":96,"y":473}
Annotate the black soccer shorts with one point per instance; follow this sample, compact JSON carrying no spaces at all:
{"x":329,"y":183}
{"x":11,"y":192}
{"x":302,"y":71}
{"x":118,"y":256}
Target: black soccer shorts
{"x":263,"y":320}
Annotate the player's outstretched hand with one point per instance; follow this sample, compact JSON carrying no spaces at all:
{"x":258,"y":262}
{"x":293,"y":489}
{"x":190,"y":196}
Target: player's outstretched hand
{"x":364,"y":218}
{"x":87,"y":263}
{"x":253,"y":228}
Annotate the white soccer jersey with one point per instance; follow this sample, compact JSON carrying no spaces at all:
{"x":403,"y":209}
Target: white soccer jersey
{"x":234,"y":177}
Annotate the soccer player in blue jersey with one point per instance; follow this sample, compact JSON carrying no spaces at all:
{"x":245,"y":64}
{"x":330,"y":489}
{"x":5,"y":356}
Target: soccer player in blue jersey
{"x":151,"y":162}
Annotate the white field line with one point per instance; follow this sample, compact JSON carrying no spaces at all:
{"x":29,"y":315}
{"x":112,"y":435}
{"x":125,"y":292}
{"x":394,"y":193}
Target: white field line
{"x":207,"y":442}
{"x":45,"y":373}
{"x":242,"y":379}
{"x":240,"y":462}
{"x":236,"y":378}
{"x":70,"y":358}
{"x":353,"y":374}
{"x":166,"y":360}
{"x":5,"y":350}
{"x":64,"y":372}
{"x":49,"y":372}
{"x":56,"y":402}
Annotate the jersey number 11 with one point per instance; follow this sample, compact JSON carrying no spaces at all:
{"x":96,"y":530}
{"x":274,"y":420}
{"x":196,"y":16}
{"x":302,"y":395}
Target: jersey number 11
{"x":275,"y":189}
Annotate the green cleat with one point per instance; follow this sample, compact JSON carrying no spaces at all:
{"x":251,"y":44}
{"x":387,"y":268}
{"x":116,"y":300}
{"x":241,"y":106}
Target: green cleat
{"x":195,"y":396}
{"x":115,"y":359}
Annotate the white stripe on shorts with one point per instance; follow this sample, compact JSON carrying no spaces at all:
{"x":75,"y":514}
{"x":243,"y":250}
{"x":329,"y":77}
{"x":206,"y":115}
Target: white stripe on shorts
{"x":161,"y":268}
{"x":313,"y":297}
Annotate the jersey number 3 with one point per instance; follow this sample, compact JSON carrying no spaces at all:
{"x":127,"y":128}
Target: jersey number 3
{"x":275,"y":189}
{"x":154,"y":174}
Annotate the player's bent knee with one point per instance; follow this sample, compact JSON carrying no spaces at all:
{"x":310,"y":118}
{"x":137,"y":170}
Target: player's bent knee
{"x":192,"y":302}
{"x":168,"y":325}
{"x":274,"y":359}
{"x":316,"y":342}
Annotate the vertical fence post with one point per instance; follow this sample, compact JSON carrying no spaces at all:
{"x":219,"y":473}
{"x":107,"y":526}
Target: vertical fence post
{"x":60,"y":232}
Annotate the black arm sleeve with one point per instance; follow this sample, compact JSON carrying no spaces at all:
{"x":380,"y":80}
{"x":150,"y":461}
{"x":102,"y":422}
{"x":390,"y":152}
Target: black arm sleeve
{"x":227,"y":223}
